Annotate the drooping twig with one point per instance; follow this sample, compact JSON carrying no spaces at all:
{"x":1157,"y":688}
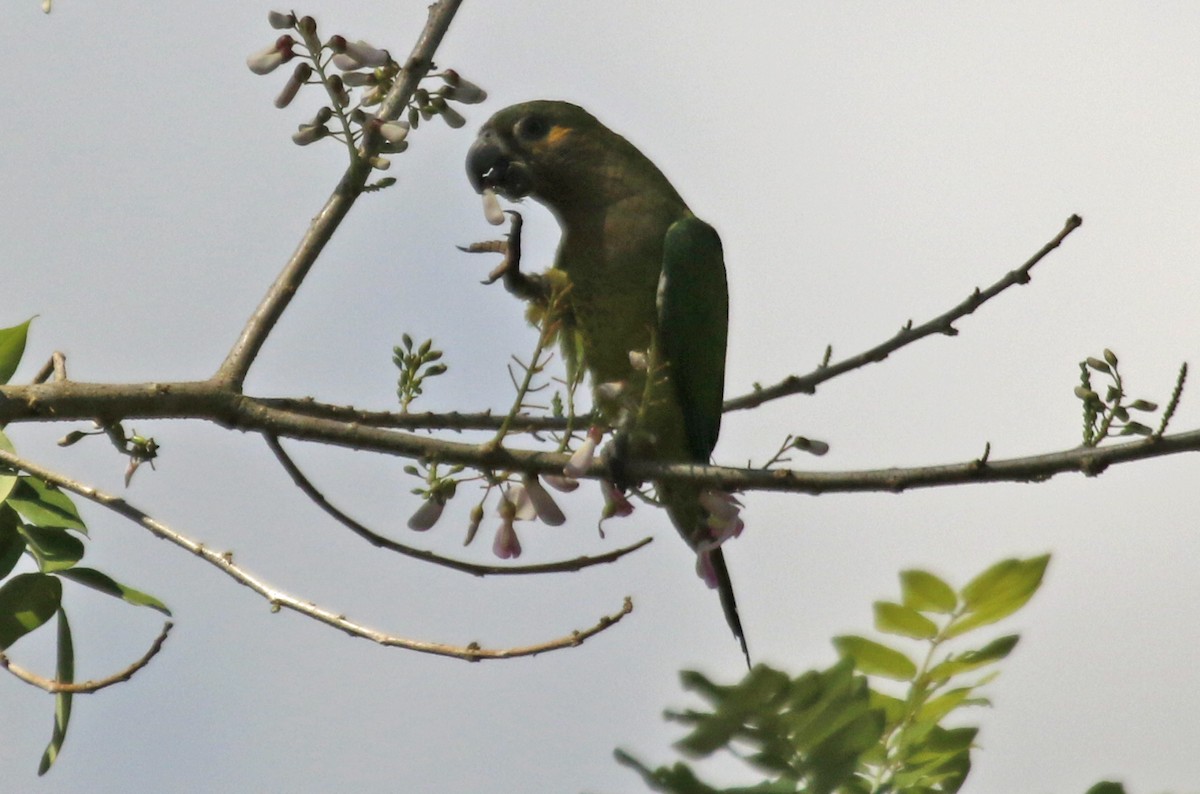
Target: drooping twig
{"x":233,"y":371}
{"x":54,"y":687}
{"x":563,"y":566}
{"x":281,"y":600}
{"x":942,"y":324}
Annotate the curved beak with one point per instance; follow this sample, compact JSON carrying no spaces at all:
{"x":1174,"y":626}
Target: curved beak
{"x":489,"y":165}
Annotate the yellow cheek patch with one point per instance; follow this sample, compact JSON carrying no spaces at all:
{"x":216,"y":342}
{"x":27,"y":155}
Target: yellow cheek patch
{"x":557,"y":133}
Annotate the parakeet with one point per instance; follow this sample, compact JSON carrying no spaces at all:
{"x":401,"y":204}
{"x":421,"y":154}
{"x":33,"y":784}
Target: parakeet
{"x":647,"y":278}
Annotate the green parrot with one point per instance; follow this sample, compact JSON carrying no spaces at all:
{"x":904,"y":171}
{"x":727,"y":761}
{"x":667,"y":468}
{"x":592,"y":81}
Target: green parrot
{"x":648,"y":301}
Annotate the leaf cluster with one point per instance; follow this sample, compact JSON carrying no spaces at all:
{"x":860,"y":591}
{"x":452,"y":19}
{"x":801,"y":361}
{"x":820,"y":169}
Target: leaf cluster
{"x":39,"y":521}
{"x":417,"y":363}
{"x":844,"y":729}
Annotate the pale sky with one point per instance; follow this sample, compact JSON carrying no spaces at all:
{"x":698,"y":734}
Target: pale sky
{"x":864,"y":163}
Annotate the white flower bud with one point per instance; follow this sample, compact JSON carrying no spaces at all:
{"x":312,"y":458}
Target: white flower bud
{"x":281,"y":21}
{"x":394,"y":131}
{"x":308,"y":133}
{"x":299,"y":76}
{"x":266,"y":61}
{"x":491,"y":207}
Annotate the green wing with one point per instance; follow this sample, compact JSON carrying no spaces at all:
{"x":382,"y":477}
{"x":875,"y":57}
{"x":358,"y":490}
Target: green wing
{"x":693,"y":322}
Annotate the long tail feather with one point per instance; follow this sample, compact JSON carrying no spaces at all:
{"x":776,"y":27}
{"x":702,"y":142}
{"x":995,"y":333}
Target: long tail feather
{"x":728,"y":602}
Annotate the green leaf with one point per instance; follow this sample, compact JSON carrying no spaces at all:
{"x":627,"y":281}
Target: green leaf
{"x":12,"y":544}
{"x":45,"y":505}
{"x":894,"y":709}
{"x":106,"y":584}
{"x":998,"y":592}
{"x":55,"y":548}
{"x":8,"y":478}
{"x":923,"y":591}
{"x":62,"y":700}
{"x":893,"y":618}
{"x":994,"y":651}
{"x":874,"y":658}
{"x":1107,"y":787}
{"x":934,"y":710}
{"x":950,"y":740}
{"x":761,"y":687}
{"x":12,"y":347}
{"x":26,"y":602}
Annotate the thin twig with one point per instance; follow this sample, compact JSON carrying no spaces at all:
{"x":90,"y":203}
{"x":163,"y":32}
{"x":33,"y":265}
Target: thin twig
{"x":54,"y":687}
{"x":233,"y":371}
{"x":281,"y":600}
{"x":942,"y":324}
{"x":311,"y":491}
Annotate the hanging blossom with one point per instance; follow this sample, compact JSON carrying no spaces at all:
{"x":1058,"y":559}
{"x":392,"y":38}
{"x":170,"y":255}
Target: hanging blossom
{"x":427,"y":514}
{"x":723,"y":522}
{"x":543,"y":503}
{"x":581,"y":459}
{"x":506,"y":545}
{"x":615,"y":502}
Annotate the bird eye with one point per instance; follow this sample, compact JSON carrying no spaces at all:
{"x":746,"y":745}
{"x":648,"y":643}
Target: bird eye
{"x":532,"y":128}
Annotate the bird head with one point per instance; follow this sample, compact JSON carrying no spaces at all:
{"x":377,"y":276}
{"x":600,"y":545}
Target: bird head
{"x":556,"y":153}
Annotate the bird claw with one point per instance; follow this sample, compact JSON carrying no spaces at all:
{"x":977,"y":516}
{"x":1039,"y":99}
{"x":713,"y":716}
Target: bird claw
{"x":516,"y":282}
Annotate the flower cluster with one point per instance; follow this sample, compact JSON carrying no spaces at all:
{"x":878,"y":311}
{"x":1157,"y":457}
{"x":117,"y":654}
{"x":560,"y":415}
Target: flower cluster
{"x":355,"y":75}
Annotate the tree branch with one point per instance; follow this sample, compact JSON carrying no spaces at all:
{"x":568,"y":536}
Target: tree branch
{"x":305,"y":485}
{"x":942,"y":324}
{"x":205,"y":400}
{"x":54,"y":687}
{"x":281,"y":600}
{"x":232,"y":372}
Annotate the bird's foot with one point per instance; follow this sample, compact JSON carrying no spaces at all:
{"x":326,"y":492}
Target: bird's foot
{"x":509,"y":269}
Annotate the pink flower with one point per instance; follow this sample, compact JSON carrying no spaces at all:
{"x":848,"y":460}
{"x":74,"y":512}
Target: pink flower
{"x":547,"y":510}
{"x":516,"y":500}
{"x":506,"y":546}
{"x":615,"y":503}
{"x":582,"y":458}
{"x":724,"y":515}
{"x":426,"y":515}
{"x":704,"y":565}
{"x":560,"y":483}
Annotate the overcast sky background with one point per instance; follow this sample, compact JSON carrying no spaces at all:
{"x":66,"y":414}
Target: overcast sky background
{"x":865,"y":163}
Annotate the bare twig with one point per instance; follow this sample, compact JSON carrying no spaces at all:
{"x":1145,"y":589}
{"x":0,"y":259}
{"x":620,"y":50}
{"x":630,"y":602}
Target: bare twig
{"x":305,"y":485}
{"x":281,"y":600}
{"x":56,"y":365}
{"x":54,"y":687}
{"x":233,"y":371}
{"x":942,"y":324}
